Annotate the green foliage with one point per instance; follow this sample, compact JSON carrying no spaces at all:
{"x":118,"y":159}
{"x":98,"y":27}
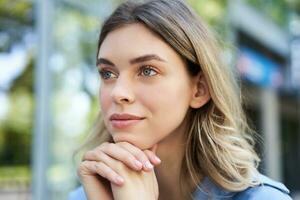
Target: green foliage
{"x":16,"y":17}
{"x":16,"y":10}
{"x":16,"y":130}
{"x":17,"y":147}
{"x":213,"y":12}
{"x":278,"y":10}
{"x":293,"y":5}
{"x":25,"y":81}
{"x":15,"y":174}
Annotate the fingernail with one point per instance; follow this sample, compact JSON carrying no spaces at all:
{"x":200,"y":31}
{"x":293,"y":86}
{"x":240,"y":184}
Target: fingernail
{"x":119,"y":180}
{"x":157,"y":159}
{"x":138,"y":164}
{"x":148,"y":165}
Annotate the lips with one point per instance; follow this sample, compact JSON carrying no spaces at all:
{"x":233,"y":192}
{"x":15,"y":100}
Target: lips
{"x":121,"y":121}
{"x":124,"y":116}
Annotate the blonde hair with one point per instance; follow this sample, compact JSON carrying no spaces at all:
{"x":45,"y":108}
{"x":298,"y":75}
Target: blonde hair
{"x":220,"y":143}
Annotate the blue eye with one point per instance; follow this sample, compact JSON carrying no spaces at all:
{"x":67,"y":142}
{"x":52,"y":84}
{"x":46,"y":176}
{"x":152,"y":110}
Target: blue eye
{"x":148,"y":71}
{"x":106,"y":74}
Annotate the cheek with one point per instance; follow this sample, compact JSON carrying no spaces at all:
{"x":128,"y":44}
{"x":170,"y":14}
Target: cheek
{"x":167,"y":96}
{"x":104,"y":97}
{"x":167,"y":104}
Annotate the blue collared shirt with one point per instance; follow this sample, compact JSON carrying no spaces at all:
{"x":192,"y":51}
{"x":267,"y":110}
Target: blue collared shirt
{"x":208,"y":190}
{"x":268,"y":189}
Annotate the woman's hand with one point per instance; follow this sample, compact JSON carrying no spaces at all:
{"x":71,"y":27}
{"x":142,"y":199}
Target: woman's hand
{"x":105,"y":160}
{"x":137,"y":185}
{"x":95,"y":187}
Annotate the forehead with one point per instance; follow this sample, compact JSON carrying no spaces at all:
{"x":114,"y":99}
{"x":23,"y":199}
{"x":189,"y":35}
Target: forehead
{"x":132,"y":40}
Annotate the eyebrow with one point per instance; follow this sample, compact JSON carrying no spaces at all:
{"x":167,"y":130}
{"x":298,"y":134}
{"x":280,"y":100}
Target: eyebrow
{"x":139,"y":59}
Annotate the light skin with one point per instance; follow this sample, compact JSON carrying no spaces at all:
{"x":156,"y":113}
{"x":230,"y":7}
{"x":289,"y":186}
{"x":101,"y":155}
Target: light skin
{"x":143,"y":76}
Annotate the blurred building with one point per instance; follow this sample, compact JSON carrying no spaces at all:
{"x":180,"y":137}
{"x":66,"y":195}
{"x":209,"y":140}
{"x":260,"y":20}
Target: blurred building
{"x":66,"y":89}
{"x":271,"y":96}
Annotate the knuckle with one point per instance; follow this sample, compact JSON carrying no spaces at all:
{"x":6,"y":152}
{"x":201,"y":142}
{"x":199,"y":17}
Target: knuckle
{"x":104,"y":171}
{"x":96,"y":155}
{"x":107,"y":147}
{"x":147,"y":152}
{"x":86,"y":155}
{"x":124,"y":144}
{"x":82,"y":168}
{"x":92,"y":155}
{"x":120,"y":143}
{"x":83,"y":165}
{"x":103,"y":146}
{"x":104,"y":143}
{"x":127,"y":146}
{"x":141,"y":155}
{"x":109,"y":174}
{"x":100,"y":169}
{"x":129,"y":159}
{"x":110,"y":147}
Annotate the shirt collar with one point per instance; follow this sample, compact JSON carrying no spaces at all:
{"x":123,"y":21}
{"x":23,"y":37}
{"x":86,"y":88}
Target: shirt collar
{"x":207,"y":189}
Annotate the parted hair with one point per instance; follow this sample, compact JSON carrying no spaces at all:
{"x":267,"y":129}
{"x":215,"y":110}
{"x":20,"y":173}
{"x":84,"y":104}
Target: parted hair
{"x":219,"y":142}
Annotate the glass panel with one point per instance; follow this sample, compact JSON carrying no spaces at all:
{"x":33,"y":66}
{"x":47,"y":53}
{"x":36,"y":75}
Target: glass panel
{"x":75,"y":86}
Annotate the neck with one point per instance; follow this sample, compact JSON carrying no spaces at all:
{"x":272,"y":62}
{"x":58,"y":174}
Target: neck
{"x":171,"y":152}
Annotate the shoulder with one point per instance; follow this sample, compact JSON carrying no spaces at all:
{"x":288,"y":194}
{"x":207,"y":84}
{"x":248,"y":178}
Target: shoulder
{"x":77,"y":194}
{"x":267,"y":189}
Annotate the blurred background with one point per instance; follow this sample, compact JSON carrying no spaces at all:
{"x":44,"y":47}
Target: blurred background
{"x":49,"y":85}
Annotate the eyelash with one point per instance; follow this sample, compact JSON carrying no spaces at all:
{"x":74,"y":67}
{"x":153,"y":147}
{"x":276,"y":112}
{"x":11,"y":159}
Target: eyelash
{"x":147,"y":67}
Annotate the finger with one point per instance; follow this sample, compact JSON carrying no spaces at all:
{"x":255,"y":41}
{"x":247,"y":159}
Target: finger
{"x":151,"y":153}
{"x":85,"y":168}
{"x":106,"y":172}
{"x":105,"y":155}
{"x":120,"y":154}
{"x":88,"y":168}
{"x":152,"y":157}
{"x":138,"y":154}
{"x":90,"y":156}
{"x":106,"y":166}
{"x":154,"y":148}
{"x":95,"y":186}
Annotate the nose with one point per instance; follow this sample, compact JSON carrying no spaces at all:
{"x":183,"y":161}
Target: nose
{"x":122,"y":92}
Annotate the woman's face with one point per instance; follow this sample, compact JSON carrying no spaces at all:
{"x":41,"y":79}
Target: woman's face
{"x":141,"y":75}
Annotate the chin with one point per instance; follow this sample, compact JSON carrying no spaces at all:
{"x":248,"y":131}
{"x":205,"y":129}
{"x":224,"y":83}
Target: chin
{"x":138,"y":142}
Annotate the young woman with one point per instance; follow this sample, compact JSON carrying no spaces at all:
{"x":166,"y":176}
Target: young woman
{"x":172,"y":124}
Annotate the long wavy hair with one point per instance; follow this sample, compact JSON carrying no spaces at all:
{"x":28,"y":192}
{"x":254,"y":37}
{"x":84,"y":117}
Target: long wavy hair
{"x":219,"y":142}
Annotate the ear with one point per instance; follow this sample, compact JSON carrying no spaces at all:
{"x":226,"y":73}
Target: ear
{"x":200,"y":92}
